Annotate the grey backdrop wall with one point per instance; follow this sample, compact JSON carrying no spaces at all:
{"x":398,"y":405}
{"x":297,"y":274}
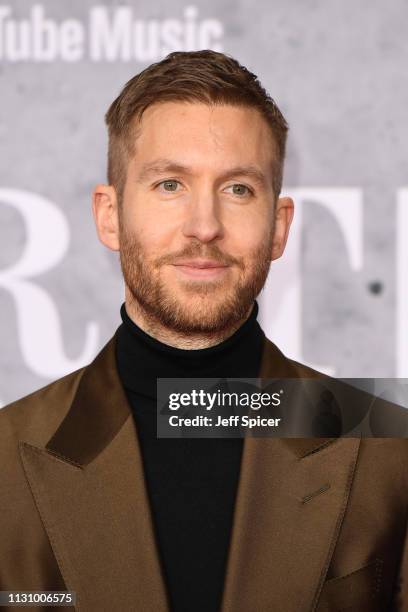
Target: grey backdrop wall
{"x":338,"y":70}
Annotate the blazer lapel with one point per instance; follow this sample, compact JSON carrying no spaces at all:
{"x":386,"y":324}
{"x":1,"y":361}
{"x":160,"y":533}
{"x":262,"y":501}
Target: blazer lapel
{"x":89,"y":489}
{"x":290,"y":504}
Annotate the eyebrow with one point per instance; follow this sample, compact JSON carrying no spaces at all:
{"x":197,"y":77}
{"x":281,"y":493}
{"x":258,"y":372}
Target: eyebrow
{"x":164,"y":165}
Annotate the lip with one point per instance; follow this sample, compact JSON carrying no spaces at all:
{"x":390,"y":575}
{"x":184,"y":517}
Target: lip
{"x":201,"y":263}
{"x":201,"y":268}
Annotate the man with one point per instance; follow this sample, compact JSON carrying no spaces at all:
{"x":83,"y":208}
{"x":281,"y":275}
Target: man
{"x":92,"y":500}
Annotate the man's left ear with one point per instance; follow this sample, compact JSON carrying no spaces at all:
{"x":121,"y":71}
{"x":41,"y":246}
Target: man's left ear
{"x":284,"y":210}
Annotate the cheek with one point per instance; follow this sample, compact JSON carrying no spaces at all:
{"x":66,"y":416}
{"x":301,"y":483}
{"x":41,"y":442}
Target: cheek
{"x":143,"y":228}
{"x":250,"y":241}
{"x":155,"y":241}
{"x":250,"y":225}
{"x":150,"y":226}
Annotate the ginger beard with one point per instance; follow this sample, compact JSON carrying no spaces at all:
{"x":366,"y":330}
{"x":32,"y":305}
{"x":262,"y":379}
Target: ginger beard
{"x":193,"y":306}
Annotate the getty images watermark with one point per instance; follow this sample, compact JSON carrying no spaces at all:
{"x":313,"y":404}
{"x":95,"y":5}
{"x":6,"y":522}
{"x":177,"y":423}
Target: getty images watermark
{"x":223,"y":399}
{"x":291,"y":407}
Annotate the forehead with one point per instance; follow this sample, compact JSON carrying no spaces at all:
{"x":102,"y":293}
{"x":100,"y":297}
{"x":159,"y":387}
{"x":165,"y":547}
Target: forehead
{"x":195,"y":132}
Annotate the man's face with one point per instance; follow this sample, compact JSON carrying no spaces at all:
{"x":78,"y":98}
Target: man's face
{"x":196,"y":220}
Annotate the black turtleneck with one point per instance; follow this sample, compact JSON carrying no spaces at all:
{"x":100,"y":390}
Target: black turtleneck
{"x":191,"y":483}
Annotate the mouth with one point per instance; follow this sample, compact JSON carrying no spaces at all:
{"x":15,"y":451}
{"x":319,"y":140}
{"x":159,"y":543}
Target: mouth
{"x":201,"y":268}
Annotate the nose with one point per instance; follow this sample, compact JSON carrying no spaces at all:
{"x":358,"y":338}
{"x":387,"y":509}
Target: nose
{"x":203,"y":218}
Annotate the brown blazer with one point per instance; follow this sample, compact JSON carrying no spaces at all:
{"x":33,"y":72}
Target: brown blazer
{"x":319,"y":523}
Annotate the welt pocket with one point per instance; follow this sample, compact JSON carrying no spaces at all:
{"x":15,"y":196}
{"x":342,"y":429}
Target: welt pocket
{"x":358,"y":591}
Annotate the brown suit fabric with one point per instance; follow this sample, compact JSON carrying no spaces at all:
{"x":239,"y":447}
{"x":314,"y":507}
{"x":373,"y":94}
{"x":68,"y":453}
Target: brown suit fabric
{"x":319,"y":523}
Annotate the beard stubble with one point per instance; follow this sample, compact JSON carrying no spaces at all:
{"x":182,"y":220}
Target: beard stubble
{"x":209,"y":307}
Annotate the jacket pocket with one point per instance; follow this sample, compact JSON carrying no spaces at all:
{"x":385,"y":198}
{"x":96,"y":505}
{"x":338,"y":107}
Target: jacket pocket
{"x":359,"y":591}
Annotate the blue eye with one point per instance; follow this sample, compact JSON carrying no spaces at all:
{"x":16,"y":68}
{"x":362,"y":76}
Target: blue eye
{"x":243,"y":190}
{"x":169,"y":185}
{"x":240,"y":190}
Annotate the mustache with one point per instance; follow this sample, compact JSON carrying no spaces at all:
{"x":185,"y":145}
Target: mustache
{"x":191,"y":252}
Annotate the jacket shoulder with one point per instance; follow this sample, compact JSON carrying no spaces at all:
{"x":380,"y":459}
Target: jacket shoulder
{"x":35,"y":417}
{"x":388,"y":450}
{"x":305,"y":371}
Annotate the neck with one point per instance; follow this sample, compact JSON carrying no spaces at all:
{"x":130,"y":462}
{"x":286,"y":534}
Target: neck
{"x":150,"y":325}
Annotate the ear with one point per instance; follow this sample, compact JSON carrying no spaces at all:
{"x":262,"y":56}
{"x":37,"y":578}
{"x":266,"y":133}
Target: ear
{"x":105,"y":213}
{"x":284,"y":210}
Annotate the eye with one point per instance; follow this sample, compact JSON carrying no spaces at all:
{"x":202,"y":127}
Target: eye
{"x":240,"y":190}
{"x":170,"y":185}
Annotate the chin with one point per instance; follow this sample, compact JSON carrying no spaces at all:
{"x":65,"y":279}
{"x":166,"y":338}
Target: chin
{"x":205,"y":314}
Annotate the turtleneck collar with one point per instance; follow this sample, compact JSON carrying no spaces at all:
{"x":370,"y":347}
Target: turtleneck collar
{"x":142,"y":358}
{"x":246,"y":328}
